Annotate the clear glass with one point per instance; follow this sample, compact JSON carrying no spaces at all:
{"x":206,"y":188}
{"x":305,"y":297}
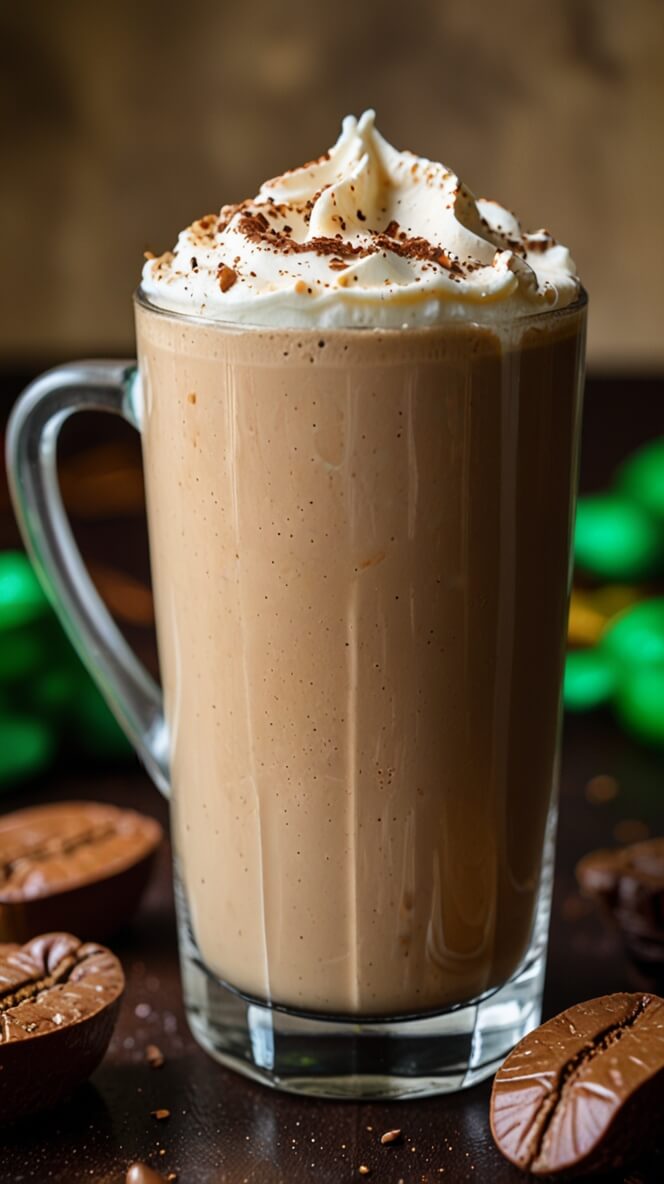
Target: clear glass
{"x":360,"y":545}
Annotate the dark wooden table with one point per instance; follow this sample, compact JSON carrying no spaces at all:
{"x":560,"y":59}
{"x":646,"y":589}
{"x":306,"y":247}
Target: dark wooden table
{"x":225,"y":1128}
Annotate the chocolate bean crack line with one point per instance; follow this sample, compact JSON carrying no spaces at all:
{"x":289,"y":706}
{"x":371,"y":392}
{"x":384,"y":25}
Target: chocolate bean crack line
{"x":29,"y":992}
{"x":569,"y":1073}
{"x":57,"y":846}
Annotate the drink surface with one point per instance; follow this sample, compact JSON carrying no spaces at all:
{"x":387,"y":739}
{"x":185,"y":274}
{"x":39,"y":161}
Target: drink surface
{"x":359,"y":542}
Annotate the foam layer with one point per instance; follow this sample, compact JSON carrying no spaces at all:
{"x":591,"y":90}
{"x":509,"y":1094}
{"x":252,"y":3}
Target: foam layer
{"x":364,"y":236}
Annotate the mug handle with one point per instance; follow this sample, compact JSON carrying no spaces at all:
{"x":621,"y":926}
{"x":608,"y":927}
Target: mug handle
{"x":32,"y":435}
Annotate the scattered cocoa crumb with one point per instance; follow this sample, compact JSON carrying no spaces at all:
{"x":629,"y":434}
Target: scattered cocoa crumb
{"x":601,"y":789}
{"x":391,"y":1136}
{"x":227,"y":277}
{"x":630,"y":830}
{"x":153,"y":1054}
{"x":160,"y":1115}
{"x":362,"y":217}
{"x":392,"y":229}
{"x":192,"y":397}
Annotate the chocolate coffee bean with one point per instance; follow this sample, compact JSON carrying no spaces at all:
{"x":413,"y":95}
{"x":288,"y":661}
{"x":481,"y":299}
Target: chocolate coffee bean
{"x":59,"y":1001}
{"x":142,"y":1173}
{"x":629,"y":885}
{"x":584,"y":1092}
{"x":74,"y":865}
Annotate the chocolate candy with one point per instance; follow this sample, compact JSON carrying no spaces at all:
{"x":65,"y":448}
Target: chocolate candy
{"x":584,"y":1092}
{"x":77,"y":864}
{"x":142,"y":1173}
{"x":59,"y":1001}
{"x":629,"y":885}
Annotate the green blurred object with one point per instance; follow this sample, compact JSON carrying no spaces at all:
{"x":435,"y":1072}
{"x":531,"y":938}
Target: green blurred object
{"x":21,"y":597}
{"x":96,"y":729}
{"x":53,"y":691}
{"x":641,"y":477}
{"x":47,"y":697}
{"x":615,"y":538}
{"x":619,"y":536}
{"x":21,"y":654}
{"x":27,"y":745}
{"x":639,"y":703}
{"x":636,"y":636}
{"x":589,"y":680}
{"x":30,"y":648}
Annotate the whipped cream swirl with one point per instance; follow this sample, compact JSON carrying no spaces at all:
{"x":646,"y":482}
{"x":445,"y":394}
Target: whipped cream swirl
{"x":365,"y":236}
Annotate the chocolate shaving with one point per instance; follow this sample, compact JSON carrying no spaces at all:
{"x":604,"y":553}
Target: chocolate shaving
{"x":256,"y":229}
{"x":418,"y":248}
{"x":227,"y":277}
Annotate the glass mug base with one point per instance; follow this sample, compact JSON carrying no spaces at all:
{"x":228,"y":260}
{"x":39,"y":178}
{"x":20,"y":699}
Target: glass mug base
{"x":345,"y":1058}
{"x":358,"y":1058}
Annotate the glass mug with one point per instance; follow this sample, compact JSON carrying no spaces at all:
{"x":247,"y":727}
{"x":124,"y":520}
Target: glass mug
{"x":360,"y":549}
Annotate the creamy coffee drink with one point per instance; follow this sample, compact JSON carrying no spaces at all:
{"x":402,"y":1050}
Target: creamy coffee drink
{"x":360,"y":466}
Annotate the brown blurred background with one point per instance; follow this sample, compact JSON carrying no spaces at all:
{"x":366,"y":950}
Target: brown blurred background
{"x":125,"y":121}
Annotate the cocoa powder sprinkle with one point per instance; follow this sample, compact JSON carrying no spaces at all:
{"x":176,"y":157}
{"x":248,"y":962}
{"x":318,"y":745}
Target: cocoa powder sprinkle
{"x":257,"y":229}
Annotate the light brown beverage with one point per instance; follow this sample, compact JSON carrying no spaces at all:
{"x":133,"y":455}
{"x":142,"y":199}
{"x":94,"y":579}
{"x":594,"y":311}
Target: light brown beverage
{"x":357,"y":538}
